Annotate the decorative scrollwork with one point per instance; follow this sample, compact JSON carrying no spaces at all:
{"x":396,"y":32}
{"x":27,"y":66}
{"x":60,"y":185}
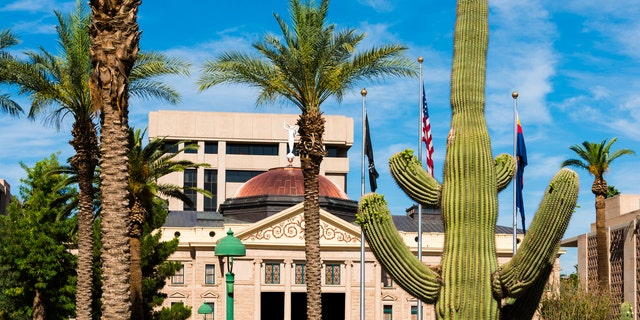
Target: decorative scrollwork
{"x":294,"y":228}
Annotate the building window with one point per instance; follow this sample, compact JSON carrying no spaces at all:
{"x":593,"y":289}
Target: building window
{"x":299,"y":271}
{"x":387,"y":312}
{"x":190,"y":183}
{"x":211,"y":147}
{"x":211,"y":185}
{"x":252,"y":149}
{"x":240,"y":175}
{"x":272,"y":273}
{"x":414,"y":312}
{"x":209,"y":274}
{"x":336,"y":151}
{"x":387,"y":282}
{"x":192,"y":149}
{"x":332,"y":274}
{"x":170,"y":146}
{"x":178,"y":277}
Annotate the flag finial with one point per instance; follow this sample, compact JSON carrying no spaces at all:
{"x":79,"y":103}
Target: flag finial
{"x":363,"y":92}
{"x":514,"y":94}
{"x":420,"y":60}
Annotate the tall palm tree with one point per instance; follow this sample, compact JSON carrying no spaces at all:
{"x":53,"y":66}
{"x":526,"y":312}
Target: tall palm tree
{"x":596,"y":158}
{"x":309,"y":64}
{"x":7,"y":39}
{"x":115,"y":38}
{"x":146,"y":165}
{"x":58,"y":86}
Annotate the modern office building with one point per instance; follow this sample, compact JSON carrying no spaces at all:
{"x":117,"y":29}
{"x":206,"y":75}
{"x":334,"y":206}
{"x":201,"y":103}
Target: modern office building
{"x":622,"y":213}
{"x":258,"y":195}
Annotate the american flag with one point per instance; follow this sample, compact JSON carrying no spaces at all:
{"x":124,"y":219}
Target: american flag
{"x":426,"y":132}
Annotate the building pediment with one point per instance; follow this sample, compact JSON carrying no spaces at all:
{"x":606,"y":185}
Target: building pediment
{"x":287,"y":228}
{"x":178,"y":295}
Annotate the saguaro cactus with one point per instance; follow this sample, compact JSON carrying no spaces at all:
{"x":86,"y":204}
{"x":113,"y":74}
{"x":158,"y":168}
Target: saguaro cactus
{"x":470,"y":284}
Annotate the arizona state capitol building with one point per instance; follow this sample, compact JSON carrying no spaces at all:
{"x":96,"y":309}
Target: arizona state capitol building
{"x":258,"y":195}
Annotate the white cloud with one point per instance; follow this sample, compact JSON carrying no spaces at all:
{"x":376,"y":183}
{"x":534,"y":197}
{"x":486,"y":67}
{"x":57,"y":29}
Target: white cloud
{"x":378,"y":5}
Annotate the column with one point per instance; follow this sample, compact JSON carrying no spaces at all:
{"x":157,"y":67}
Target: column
{"x":257,"y":268}
{"x":348,"y":289}
{"x":288,"y":275}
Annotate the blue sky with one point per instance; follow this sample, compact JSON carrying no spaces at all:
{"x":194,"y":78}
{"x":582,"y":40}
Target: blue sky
{"x":575,"y":64}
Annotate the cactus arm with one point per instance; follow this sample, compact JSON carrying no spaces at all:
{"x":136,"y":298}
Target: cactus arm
{"x":540,"y":245}
{"x":505,"y":170}
{"x":392,"y":253}
{"x":417,"y":183}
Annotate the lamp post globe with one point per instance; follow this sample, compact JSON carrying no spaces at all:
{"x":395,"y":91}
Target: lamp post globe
{"x":229,"y":247}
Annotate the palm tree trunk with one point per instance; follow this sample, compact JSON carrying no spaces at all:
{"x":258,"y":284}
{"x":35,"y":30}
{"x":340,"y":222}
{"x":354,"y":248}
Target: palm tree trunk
{"x":38,"y":306}
{"x":85,"y":143}
{"x":114,"y":45}
{"x":599,"y":188}
{"x":311,"y":150}
{"x":137,"y":309}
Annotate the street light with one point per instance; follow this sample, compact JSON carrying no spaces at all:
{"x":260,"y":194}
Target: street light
{"x":230,"y":247}
{"x":205,"y":309}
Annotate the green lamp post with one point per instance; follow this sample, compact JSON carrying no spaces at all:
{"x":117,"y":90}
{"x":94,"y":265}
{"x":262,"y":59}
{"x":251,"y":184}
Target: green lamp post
{"x":205,"y":309}
{"x":230,"y":247}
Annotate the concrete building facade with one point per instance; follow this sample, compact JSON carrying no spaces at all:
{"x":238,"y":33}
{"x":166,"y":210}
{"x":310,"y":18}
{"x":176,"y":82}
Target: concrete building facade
{"x":239,"y":146}
{"x":622,"y":213}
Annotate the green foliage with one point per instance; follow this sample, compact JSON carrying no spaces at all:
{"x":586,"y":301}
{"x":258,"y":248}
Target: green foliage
{"x":177,"y":312}
{"x":572,"y":301}
{"x":612,"y":191}
{"x":34,"y":254}
{"x":626,"y":311}
{"x":595,"y":157}
{"x":155,"y":267}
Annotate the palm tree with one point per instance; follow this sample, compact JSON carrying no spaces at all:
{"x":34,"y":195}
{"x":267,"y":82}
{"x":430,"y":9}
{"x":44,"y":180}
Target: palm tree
{"x":596,"y":158}
{"x":309,"y":64}
{"x":146,"y":165}
{"x":58,"y":87}
{"x":7,"y":39}
{"x":115,"y":41}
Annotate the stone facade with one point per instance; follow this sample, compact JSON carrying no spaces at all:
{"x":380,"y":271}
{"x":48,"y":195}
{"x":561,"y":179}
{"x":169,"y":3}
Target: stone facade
{"x":265,"y":279}
{"x":622,"y":213}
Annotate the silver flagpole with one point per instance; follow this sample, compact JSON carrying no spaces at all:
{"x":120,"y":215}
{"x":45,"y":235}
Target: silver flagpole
{"x":514,"y":95}
{"x":420,"y":127}
{"x":362,"y":191}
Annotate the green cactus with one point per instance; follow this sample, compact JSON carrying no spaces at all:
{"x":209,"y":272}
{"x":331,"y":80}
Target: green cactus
{"x":626,"y":311}
{"x":470,"y":284}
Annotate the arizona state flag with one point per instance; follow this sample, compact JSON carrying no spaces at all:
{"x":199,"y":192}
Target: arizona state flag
{"x":521,"y":158}
{"x":368,"y":150}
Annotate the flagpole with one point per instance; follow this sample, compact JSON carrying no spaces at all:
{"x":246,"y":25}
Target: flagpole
{"x":420,"y":132}
{"x":514,"y":95}
{"x":362,"y":191}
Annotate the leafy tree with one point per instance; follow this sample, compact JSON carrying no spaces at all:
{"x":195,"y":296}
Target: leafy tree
{"x":309,"y":64}
{"x":36,"y":265}
{"x":177,"y":312}
{"x":58,"y":86}
{"x":155,"y":267}
{"x":596,"y":159}
{"x":146,"y":165}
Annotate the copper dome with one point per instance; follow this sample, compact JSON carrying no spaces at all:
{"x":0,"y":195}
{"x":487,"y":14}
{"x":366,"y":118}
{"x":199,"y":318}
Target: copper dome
{"x":286,"y":181}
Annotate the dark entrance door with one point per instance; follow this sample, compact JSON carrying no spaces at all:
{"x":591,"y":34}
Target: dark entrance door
{"x":332,"y":306}
{"x":272,"y":306}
